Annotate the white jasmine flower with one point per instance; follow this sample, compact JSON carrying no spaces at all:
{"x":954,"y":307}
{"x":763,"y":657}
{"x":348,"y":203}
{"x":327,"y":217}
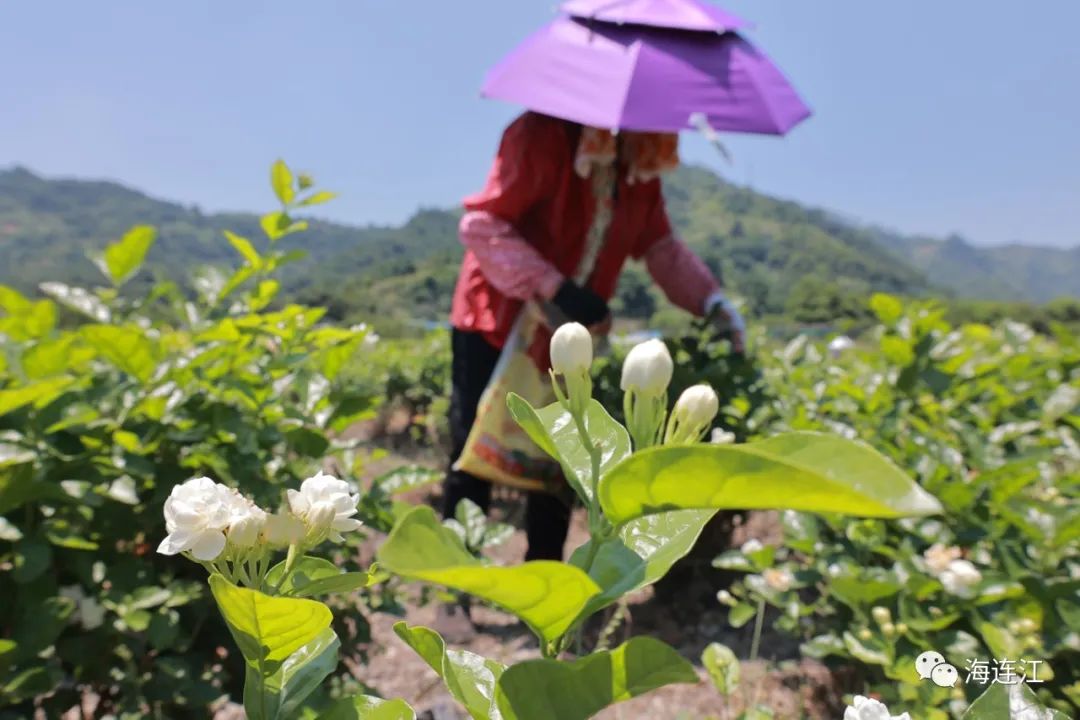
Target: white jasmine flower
{"x":282,"y":530}
{"x":726,"y":598}
{"x":326,"y":506}
{"x":647,"y":369}
{"x":571,"y":350}
{"x":960,"y":578}
{"x":197,"y":513}
{"x":870,"y":709}
{"x":721,"y":436}
{"x":938,"y":557}
{"x":778,"y":579}
{"x":751,"y":546}
{"x":246,"y":524}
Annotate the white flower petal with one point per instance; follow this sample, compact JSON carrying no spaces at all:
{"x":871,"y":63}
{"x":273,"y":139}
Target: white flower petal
{"x":175,"y":543}
{"x":346,"y":524}
{"x":298,"y":501}
{"x":207,"y":545}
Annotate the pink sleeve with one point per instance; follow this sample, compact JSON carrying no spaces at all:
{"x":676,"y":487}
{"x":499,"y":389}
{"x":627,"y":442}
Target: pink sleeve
{"x":681,"y":274}
{"x":512,"y":266}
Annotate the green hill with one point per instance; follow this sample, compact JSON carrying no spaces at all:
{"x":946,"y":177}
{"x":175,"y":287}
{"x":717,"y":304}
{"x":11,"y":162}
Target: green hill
{"x":783,"y":257}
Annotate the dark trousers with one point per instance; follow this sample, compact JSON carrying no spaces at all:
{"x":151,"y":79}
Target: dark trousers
{"x":547,"y":517}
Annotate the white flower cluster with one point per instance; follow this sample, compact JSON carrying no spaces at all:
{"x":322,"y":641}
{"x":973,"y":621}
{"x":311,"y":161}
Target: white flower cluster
{"x":869,"y":709}
{"x":959,"y":577}
{"x":206,"y":519}
{"x":646,"y":375}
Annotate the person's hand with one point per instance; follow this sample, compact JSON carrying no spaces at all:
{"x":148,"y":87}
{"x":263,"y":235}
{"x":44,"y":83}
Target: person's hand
{"x":727,"y":320}
{"x":581,"y":305}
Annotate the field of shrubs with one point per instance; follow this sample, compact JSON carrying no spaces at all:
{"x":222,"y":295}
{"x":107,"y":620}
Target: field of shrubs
{"x":184,"y":503}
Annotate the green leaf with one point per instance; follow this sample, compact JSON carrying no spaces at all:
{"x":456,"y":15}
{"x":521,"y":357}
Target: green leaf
{"x":11,"y":455}
{"x":268,"y":629}
{"x":741,"y":614}
{"x":39,"y":393}
{"x":123,"y":258}
{"x":1002,"y":643}
{"x":805,"y":471}
{"x":243,"y":246}
{"x":79,"y":300}
{"x":409,"y":477}
{"x":19,"y":486}
{"x":723,"y":667}
{"x":40,"y":625}
{"x":576,"y":690}
{"x":28,"y":684}
{"x":470,"y":678}
{"x":8,"y":650}
{"x":555,"y":432}
{"x":314,"y":576}
{"x":870,"y":651}
{"x":126,"y":347}
{"x":12,"y":301}
{"x":546,"y":595}
{"x":48,"y":358}
{"x":642,"y":552}
{"x":473,"y":521}
{"x":280,"y":694}
{"x":1010,"y":702}
{"x":281,"y":179}
{"x":32,"y":557}
{"x":323,"y":196}
{"x":887,"y":308}
{"x":864,"y":587}
{"x":366,"y":707}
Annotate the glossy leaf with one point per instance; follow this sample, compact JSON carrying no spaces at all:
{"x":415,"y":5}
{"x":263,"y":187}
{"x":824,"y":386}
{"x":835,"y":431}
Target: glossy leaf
{"x":576,"y":690}
{"x":38,"y":393}
{"x":312,"y":577}
{"x":123,"y":258}
{"x":407,"y":478}
{"x":642,"y":552}
{"x":470,"y":678}
{"x":804,"y":471}
{"x":723,"y":667}
{"x":554,"y":431}
{"x":126,"y":347}
{"x":366,"y":707}
{"x":268,"y":629}
{"x":1010,"y":702}
{"x":280,"y":694}
{"x":77,"y":299}
{"x":546,"y":595}
{"x":318,"y":198}
{"x":243,"y":246}
{"x":473,"y":522}
{"x":281,"y":179}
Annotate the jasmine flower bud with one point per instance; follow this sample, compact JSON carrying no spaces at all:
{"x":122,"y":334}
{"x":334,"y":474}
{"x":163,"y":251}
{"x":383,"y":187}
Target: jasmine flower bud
{"x":694,"y":412}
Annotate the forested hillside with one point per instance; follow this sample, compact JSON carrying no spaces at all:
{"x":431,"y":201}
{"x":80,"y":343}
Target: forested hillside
{"x":784,"y":258}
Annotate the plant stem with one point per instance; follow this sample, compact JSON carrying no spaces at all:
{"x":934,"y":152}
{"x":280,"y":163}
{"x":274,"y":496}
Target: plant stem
{"x":758,"y":623}
{"x":290,"y":563}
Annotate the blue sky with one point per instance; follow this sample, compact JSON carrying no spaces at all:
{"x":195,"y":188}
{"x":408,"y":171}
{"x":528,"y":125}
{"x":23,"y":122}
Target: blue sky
{"x":930,"y":116}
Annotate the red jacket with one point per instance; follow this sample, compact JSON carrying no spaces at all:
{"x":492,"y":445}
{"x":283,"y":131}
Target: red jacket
{"x":533,"y":187}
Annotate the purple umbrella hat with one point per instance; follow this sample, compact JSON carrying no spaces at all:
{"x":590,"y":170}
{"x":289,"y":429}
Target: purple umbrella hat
{"x":679,"y":14}
{"x":629,"y":77}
